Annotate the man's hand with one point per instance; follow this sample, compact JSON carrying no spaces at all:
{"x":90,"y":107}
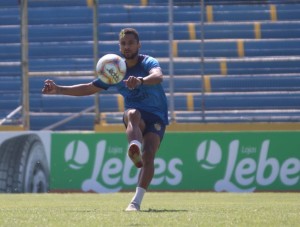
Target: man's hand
{"x":49,"y":87}
{"x":132,"y":82}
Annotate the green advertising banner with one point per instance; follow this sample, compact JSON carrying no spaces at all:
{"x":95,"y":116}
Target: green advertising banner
{"x":230,"y":162}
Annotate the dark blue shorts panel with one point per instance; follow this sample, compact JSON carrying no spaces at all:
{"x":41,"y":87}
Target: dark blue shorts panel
{"x":153,"y":124}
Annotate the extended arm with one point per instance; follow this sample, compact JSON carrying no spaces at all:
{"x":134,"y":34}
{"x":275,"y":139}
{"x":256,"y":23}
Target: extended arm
{"x":74,"y":90}
{"x":155,"y":77}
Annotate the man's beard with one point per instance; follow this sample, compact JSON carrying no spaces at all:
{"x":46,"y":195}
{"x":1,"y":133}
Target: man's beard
{"x":130,"y":57}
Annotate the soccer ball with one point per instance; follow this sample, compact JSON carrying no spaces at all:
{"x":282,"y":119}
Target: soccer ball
{"x":111,"y":69}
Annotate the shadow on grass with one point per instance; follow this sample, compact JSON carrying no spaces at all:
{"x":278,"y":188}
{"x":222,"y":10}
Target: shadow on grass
{"x":163,"y":211}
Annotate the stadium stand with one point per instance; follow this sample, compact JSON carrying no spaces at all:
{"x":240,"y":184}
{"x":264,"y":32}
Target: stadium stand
{"x":10,"y":61}
{"x":251,"y":70}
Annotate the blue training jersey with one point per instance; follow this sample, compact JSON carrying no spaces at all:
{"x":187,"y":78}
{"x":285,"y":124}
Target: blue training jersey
{"x":149,"y":98}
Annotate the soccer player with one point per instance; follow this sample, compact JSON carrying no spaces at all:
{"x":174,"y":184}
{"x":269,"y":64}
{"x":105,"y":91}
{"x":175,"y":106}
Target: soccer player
{"x":146,"y":110}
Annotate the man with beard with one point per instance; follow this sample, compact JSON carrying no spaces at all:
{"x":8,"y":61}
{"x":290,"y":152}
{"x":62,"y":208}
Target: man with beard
{"x":146,"y":112}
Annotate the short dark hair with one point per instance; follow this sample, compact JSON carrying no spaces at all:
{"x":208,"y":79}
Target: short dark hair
{"x":126,"y":31}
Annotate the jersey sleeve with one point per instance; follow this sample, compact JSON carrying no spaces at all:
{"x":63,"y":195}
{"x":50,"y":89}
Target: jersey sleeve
{"x":100,"y":84}
{"x":151,"y":63}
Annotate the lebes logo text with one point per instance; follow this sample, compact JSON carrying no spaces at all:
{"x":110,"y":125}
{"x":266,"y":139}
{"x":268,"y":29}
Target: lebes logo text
{"x":245,"y":174}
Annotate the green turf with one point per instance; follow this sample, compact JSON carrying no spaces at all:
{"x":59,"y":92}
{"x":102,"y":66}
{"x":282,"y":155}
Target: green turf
{"x":158,"y":209}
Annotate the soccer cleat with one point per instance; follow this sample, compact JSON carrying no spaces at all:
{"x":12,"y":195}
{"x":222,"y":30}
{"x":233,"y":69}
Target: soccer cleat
{"x":133,"y":207}
{"x":135,"y":155}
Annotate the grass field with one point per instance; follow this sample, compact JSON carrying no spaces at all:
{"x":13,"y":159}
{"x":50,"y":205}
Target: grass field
{"x":158,"y":209}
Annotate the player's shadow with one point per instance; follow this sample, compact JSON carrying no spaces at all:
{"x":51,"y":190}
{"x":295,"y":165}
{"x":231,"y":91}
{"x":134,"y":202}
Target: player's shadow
{"x":163,"y":211}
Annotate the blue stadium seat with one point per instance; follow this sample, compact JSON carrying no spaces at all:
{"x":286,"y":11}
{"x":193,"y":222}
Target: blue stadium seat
{"x":59,"y":15}
{"x":10,"y":69}
{"x":59,"y":3}
{"x":211,"y":49}
{"x":280,"y":29}
{"x":183,"y":84}
{"x":277,"y":47}
{"x":83,"y":122}
{"x":241,"y":101}
{"x":60,"y":32}
{"x":9,"y":101}
{"x":241,"y":13}
{"x":54,"y":103}
{"x":255,"y":83}
{"x":263,"y":66}
{"x":10,"y":84}
{"x":61,"y":64}
{"x":71,"y":104}
{"x":268,"y":29}
{"x":252,"y":48}
{"x":61,"y":50}
{"x":253,"y":101}
{"x":288,"y":12}
{"x":9,"y":16}
{"x":8,"y":3}
{"x":10,"y":34}
{"x":236,"y":116}
{"x":10,"y":52}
